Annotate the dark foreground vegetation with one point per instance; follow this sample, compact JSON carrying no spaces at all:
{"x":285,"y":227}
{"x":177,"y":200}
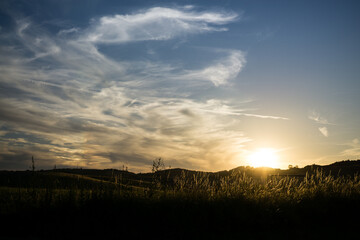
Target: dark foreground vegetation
{"x":315,"y":202}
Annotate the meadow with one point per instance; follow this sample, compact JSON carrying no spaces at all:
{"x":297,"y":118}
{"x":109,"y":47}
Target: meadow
{"x":243,"y":203}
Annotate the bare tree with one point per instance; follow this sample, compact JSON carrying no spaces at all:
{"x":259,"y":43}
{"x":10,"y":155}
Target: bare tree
{"x":158,"y":165}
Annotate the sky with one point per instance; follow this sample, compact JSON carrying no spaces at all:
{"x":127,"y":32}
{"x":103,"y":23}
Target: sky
{"x":205,"y":85}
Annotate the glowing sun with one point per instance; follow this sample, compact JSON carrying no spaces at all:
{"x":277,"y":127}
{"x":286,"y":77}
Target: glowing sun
{"x":264,"y":157}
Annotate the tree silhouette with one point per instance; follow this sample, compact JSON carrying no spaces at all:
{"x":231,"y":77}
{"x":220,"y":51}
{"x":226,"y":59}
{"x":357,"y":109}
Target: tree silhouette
{"x":32,"y":164}
{"x":158,"y":164}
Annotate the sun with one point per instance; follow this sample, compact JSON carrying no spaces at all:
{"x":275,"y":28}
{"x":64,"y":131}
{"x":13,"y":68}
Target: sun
{"x":264,"y":157}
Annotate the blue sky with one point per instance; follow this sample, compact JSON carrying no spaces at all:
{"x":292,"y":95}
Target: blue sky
{"x":202,"y":84}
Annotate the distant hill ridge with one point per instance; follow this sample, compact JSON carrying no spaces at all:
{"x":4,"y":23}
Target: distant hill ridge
{"x":342,"y":168}
{"x":348,"y":165}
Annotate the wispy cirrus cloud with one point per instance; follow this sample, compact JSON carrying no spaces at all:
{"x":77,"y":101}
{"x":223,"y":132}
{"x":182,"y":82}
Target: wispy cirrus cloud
{"x":315,"y":116}
{"x":318,"y":119}
{"x":156,"y":23}
{"x":352,"y":150}
{"x":220,"y":73}
{"x":70,"y":104}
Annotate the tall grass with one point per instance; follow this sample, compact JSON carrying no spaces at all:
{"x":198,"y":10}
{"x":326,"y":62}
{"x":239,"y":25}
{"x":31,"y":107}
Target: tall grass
{"x":238,"y":185}
{"x":186,"y":186}
{"x":210,"y":205}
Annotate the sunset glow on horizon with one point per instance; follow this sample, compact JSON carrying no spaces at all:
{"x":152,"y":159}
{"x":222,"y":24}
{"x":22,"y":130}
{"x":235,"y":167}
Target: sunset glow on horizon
{"x":264,"y":157}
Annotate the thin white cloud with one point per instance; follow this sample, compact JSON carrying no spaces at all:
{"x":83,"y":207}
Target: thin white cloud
{"x":156,"y":23}
{"x":320,"y":120}
{"x":220,"y":108}
{"x":68,"y":31}
{"x":324,"y":131}
{"x":220,"y":73}
{"x":315,"y":116}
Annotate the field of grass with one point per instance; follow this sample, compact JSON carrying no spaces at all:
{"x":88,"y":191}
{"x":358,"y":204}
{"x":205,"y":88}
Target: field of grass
{"x":178,"y":204}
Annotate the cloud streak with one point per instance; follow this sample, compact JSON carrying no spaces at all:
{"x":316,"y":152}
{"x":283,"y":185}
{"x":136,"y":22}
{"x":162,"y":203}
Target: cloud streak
{"x":156,"y":23}
{"x":315,"y":116}
{"x":352,"y":150}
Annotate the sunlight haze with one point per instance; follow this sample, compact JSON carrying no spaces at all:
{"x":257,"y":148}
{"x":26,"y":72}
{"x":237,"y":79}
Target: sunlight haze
{"x":264,"y":157}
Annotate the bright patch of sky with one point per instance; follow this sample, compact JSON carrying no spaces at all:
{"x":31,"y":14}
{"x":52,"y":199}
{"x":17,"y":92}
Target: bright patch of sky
{"x":201,"y":84}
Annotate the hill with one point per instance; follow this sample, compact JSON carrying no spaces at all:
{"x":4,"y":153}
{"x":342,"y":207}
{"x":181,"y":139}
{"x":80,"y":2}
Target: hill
{"x":90,"y":178}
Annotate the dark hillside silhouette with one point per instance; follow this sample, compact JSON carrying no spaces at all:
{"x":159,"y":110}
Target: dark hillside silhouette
{"x":314,"y":202}
{"x":91,"y":177}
